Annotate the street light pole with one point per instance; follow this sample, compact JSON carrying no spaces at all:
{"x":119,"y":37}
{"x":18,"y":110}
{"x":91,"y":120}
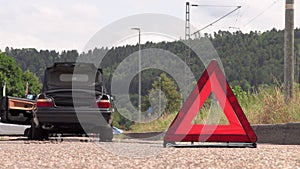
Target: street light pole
{"x":140,"y":74}
{"x":159,"y":104}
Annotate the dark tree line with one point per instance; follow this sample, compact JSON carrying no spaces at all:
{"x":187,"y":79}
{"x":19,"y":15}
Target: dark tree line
{"x":37,"y":61}
{"x":249,"y":59}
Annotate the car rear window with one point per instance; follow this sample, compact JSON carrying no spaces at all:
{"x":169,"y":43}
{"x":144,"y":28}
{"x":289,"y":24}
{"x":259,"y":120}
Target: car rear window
{"x":74,"y":78}
{"x":66,"y":78}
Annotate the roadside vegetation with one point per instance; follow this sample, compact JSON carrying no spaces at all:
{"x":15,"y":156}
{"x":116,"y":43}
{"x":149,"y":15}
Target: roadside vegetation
{"x":267,"y":106}
{"x":263,"y":106}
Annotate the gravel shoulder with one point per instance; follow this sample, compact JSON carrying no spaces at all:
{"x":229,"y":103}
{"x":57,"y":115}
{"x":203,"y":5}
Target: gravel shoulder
{"x":83,"y":153}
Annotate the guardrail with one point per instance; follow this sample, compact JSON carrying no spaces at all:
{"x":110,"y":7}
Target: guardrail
{"x":288,"y":133}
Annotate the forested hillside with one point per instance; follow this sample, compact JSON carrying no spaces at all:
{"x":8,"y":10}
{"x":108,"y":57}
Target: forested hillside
{"x":250,"y":59}
{"x":37,"y":61}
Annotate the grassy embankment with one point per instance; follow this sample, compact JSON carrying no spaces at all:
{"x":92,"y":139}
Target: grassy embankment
{"x":265,"y":106}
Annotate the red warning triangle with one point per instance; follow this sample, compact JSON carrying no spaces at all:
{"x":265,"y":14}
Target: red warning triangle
{"x":238,"y":129}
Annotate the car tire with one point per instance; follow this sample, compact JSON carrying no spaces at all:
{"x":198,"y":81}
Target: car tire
{"x":28,"y":133}
{"x":106,"y":134}
{"x":37,"y":133}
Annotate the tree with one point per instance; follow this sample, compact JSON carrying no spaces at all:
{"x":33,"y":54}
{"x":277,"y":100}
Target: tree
{"x":11,"y":75}
{"x":169,"y":88}
{"x":34,"y":85}
{"x":15,"y":80}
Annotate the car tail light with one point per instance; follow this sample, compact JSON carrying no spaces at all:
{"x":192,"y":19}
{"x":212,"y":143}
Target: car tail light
{"x":44,"y":102}
{"x":103,"y":103}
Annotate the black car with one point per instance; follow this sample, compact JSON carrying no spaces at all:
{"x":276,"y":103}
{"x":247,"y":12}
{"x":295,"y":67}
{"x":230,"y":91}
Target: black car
{"x":73,"y":100}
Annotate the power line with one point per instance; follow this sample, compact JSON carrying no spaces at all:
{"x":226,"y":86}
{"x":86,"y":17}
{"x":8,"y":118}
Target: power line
{"x":221,"y":6}
{"x":198,"y":31}
{"x":265,"y":10}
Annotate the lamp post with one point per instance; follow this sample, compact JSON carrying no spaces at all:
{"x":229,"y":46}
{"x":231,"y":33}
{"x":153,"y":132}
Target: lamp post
{"x":159,"y":103}
{"x":140,"y":75}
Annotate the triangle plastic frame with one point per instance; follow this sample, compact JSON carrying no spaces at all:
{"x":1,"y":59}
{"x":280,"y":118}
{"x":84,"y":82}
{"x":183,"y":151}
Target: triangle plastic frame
{"x":238,"y":130}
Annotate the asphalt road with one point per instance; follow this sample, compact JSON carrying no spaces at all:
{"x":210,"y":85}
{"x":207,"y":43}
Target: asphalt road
{"x":83,"y":152}
{"x":17,"y":152}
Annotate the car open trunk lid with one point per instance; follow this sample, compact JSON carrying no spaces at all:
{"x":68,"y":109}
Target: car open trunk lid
{"x":68,"y":75}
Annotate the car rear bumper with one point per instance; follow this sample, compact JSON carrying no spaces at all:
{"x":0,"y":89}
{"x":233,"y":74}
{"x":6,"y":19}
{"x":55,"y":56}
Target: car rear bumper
{"x":69,"y":118}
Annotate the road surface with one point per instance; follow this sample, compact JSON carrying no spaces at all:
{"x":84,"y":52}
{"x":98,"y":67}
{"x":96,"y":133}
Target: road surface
{"x":17,"y":152}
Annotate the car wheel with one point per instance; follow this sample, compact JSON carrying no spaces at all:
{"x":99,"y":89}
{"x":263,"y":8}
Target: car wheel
{"x":37,"y":133}
{"x":106,"y":134}
{"x":28,"y":133}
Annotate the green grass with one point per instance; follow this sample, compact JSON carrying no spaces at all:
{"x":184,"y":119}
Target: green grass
{"x":264,"y":106}
{"x":160,"y":124}
{"x":267,"y":106}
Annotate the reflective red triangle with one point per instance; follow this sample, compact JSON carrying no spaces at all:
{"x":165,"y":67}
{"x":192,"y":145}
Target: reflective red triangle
{"x":238,"y":130}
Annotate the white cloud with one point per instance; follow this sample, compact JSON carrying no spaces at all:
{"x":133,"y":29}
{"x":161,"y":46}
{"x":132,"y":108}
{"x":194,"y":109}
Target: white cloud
{"x":19,"y":40}
{"x":69,"y":24}
{"x":47,"y":25}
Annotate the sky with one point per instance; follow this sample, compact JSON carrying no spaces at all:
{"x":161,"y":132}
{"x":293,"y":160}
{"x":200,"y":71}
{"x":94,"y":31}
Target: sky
{"x":69,"y":24}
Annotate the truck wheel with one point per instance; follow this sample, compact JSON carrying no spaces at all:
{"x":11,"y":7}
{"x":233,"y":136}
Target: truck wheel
{"x":3,"y":117}
{"x":106,"y":134}
{"x":37,"y":133}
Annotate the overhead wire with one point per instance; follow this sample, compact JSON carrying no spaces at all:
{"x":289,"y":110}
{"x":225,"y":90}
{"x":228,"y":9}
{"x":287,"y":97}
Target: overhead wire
{"x":235,"y":23}
{"x":238,"y":15}
{"x":221,"y":6}
{"x":261,"y":13}
{"x":198,"y":31}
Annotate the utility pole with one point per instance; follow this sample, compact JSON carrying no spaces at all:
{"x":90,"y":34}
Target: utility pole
{"x":188,"y":45}
{"x":289,"y":51}
{"x":187,"y":40}
{"x":187,"y":21}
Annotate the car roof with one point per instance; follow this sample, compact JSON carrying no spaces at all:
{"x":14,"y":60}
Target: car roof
{"x":73,"y":64}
